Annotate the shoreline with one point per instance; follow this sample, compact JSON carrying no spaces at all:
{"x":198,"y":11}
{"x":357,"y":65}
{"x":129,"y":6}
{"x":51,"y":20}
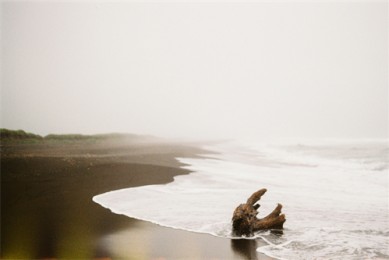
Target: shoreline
{"x":47,"y":207}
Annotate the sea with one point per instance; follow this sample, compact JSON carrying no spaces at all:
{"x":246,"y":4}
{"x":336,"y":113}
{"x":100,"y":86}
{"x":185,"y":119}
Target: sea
{"x":335,"y":195}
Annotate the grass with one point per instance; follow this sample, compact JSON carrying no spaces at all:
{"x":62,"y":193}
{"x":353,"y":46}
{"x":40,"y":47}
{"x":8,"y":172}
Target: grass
{"x":20,"y":136}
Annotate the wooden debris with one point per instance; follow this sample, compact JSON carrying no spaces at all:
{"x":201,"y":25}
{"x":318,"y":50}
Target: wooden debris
{"x":245,"y":221}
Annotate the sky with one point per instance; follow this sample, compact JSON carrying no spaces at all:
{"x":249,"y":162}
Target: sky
{"x":260,"y":69}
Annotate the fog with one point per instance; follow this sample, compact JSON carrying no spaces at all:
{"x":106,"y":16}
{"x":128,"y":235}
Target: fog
{"x":196,"y":70}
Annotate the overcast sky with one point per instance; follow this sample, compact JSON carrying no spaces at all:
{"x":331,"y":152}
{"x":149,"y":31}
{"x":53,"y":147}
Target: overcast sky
{"x":200,"y":70}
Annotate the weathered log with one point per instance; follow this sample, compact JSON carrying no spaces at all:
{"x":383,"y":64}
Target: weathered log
{"x":245,"y":221}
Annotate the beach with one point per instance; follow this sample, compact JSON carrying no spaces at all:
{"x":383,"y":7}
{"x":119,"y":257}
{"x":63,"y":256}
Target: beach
{"x":47,"y":209}
{"x":333,"y":192}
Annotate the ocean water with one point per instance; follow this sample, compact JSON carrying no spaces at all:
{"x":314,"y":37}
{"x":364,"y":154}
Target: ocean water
{"x":335,"y":196}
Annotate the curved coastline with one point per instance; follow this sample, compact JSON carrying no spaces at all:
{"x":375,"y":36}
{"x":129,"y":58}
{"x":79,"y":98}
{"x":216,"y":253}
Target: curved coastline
{"x":49,"y":186}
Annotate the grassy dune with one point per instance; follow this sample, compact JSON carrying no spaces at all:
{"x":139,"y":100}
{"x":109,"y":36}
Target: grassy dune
{"x":20,"y":136}
{"x":7,"y":134}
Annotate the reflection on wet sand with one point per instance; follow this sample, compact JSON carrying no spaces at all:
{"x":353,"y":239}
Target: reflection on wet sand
{"x":47,"y":209}
{"x":148,"y":241}
{"x":245,"y":248}
{"x":47,"y":189}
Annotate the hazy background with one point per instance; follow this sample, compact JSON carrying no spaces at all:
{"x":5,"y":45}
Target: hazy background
{"x":285,"y":69}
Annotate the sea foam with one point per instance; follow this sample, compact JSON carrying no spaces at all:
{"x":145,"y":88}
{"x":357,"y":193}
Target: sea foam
{"x":335,"y":196}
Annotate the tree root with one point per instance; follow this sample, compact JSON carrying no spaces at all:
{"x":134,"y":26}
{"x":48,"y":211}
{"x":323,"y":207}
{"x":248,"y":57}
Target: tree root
{"x":245,"y":221}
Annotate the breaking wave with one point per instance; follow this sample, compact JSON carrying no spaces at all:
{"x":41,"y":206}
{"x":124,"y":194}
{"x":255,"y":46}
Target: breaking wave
{"x":335,"y":196}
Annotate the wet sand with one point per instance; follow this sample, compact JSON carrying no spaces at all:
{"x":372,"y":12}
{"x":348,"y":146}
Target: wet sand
{"x":47,"y":209}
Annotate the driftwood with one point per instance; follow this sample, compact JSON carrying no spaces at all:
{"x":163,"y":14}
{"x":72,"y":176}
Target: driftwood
{"x":245,"y":221}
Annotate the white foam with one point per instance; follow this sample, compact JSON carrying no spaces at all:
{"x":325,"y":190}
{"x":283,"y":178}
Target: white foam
{"x":336,"y":206}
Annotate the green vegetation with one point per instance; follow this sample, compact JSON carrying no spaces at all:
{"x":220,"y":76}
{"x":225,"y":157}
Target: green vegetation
{"x":68,"y":137}
{"x":18,"y":135}
{"x":80,"y":137}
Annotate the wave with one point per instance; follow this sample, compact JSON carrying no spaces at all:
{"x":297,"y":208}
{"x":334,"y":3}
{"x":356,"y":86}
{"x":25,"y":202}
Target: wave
{"x":334,"y":196}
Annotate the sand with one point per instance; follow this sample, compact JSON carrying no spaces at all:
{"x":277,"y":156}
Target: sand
{"x":47,"y":209}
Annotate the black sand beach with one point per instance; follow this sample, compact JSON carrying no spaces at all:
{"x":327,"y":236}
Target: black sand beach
{"x":47,"y":209}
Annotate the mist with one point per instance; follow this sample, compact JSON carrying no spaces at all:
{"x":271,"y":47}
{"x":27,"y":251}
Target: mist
{"x":196,"y":70}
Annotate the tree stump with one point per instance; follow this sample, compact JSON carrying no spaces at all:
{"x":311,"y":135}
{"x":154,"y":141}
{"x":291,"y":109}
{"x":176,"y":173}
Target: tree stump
{"x":245,"y":221}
